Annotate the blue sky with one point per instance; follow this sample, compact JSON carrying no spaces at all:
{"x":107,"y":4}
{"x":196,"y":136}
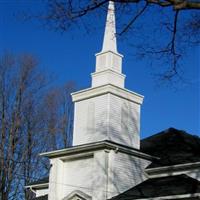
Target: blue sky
{"x":70,"y":56}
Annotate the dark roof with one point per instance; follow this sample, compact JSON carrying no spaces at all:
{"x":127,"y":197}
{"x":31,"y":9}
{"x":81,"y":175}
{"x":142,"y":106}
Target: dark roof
{"x":45,"y":197}
{"x":40,"y":181}
{"x":173,"y":147}
{"x":162,"y":186}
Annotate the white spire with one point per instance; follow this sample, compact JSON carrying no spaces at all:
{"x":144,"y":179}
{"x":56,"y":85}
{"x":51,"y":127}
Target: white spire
{"x":109,"y":42}
{"x":109,"y":61}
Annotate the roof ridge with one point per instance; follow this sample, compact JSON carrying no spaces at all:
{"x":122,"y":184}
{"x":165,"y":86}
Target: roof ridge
{"x":169,"y":131}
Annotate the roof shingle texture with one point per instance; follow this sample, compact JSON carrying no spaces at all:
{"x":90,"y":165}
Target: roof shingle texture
{"x":172,"y":147}
{"x":162,"y":186}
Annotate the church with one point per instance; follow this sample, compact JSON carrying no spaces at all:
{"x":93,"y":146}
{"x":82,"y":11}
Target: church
{"x":108,"y":160}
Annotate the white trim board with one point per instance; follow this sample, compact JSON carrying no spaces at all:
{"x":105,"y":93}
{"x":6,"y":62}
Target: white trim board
{"x":181,"y":196}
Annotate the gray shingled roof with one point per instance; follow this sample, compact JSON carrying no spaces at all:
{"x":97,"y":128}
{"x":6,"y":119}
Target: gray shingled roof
{"x":163,"y":186}
{"x":172,"y":146}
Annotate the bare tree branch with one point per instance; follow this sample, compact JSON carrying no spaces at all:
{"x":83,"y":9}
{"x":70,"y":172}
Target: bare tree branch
{"x":176,"y":4}
{"x":65,"y":15}
{"x":134,"y":19}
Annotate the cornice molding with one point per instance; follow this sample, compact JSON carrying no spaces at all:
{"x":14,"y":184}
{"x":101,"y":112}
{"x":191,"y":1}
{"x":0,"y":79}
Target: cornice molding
{"x":102,"y":145}
{"x":105,"y":89}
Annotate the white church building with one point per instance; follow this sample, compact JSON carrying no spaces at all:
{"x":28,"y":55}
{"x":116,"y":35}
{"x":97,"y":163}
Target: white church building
{"x":108,"y":160}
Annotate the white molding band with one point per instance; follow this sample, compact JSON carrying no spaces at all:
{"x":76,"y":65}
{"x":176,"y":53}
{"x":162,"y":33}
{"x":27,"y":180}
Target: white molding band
{"x":172,"y":170}
{"x":181,"y":196}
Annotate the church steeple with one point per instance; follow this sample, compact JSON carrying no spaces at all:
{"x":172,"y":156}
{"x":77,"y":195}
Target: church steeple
{"x":109,"y":61}
{"x":109,"y":42}
{"x":107,"y":111}
{"x":106,"y":132}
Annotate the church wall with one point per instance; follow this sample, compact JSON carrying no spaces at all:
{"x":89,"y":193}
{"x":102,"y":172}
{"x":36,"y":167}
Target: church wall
{"x":107,"y":117}
{"x":125,"y":172}
{"x":78,"y":175}
{"x":87,"y":173}
{"x":90,"y":120}
{"x":67,"y":176}
{"x":124,"y":122}
{"x":56,"y":179}
{"x":100,"y":176}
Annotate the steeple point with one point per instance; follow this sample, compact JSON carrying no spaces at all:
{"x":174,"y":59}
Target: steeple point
{"x":109,"y":42}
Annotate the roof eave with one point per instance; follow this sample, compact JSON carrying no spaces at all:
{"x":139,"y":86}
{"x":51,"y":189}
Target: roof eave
{"x":38,"y":186}
{"x":97,"y":146}
{"x":185,"y":166}
{"x":180,"y":196}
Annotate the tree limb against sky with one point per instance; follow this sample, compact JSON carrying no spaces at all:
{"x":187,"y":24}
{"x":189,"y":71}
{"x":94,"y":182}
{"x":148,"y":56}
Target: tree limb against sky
{"x":161,"y":30}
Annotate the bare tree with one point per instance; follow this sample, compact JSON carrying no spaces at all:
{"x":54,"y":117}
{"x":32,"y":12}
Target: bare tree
{"x":18,"y":84}
{"x":59,"y":118}
{"x":159,"y":29}
{"x":24,"y":118}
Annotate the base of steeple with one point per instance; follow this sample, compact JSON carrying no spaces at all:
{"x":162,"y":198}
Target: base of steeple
{"x":107,"y":112}
{"x":97,"y":170}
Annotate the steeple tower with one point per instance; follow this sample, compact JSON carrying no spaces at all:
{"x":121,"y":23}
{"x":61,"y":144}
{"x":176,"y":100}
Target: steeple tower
{"x":107,"y":111}
{"x":103,"y":161}
{"x":109,"y":61}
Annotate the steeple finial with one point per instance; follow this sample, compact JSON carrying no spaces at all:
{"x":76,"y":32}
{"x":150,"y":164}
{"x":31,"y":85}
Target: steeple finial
{"x":109,"y":42}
